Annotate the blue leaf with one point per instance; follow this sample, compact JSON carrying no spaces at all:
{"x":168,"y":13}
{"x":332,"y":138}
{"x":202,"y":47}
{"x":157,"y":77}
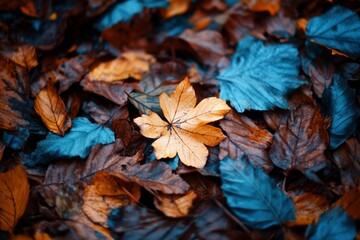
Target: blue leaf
{"x":16,"y":140}
{"x":253,"y":196}
{"x":121,"y":12}
{"x":155,"y":3}
{"x":332,"y":225}
{"x":339,"y":103}
{"x":260,"y":76}
{"x":338,"y":28}
{"x":76,"y":143}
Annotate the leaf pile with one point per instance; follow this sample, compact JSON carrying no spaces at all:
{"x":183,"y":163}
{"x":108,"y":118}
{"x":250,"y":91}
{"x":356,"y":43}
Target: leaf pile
{"x":179,"y":119}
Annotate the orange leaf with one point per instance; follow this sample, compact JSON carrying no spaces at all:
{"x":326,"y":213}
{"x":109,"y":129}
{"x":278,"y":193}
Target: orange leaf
{"x":175,"y":205}
{"x":14,"y":194}
{"x":176,"y":7}
{"x":350,"y":202}
{"x":131,"y":64}
{"x":52,"y":110}
{"x":272,"y":6}
{"x":186,"y":131}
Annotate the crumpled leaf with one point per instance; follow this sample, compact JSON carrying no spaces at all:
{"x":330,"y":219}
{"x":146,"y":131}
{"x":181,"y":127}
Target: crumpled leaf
{"x":350,"y":202}
{"x":342,"y":227}
{"x":300,"y":143}
{"x":244,"y":137}
{"x":175,"y":205}
{"x":15,"y":104}
{"x":253,"y":196}
{"x":309,"y":207}
{"x":185,"y":133}
{"x":51,"y":108}
{"x":255,"y":81}
{"x":341,"y":32}
{"x":77,"y":143}
{"x":131,"y":64}
{"x":137,"y":223}
{"x":339,"y":103}
{"x":14,"y":194}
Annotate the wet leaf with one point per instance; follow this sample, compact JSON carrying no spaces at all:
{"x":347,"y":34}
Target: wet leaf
{"x":175,"y":205}
{"x":186,"y":131}
{"x":342,"y":226}
{"x":77,"y":143}
{"x":340,"y":33}
{"x":245,"y":138}
{"x":300,"y":143}
{"x":14,"y":193}
{"x":255,"y":81}
{"x":339,"y":104}
{"x":253,"y":196}
{"x":51,"y":108}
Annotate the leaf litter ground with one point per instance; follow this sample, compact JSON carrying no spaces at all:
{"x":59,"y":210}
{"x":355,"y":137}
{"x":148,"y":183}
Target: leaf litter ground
{"x":144,"y":119}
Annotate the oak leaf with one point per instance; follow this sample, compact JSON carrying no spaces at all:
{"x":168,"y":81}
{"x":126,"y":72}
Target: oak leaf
{"x":185,"y":132}
{"x":14,"y":194}
{"x":51,"y":108}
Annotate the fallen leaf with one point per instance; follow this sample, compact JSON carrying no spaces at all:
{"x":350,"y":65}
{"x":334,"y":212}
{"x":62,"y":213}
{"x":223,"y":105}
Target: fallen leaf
{"x":253,"y":196}
{"x":350,"y":202}
{"x":154,"y":176}
{"x":175,"y":206}
{"x":280,"y":25}
{"x":342,"y":227}
{"x":14,"y":194}
{"x":76,"y":143}
{"x":2,"y":149}
{"x":271,"y":6}
{"x":245,"y":138}
{"x":340,"y":33}
{"x":309,"y":207}
{"x":321,"y":73}
{"x":23,"y":55}
{"x":255,"y":81}
{"x":340,"y":105}
{"x":131,"y":64}
{"x":347,"y":159}
{"x":103,"y":112}
{"x":176,"y":7}
{"x":206,"y":46}
{"x":186,"y":131}
{"x":134,"y":222}
{"x":300,"y":143}
{"x":51,"y":108}
{"x":15,"y":104}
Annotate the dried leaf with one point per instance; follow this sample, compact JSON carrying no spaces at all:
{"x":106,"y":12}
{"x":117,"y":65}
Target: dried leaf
{"x":309,"y":207}
{"x":131,"y":64}
{"x":186,"y":131}
{"x":51,"y":108}
{"x":245,"y":138}
{"x":321,"y":72}
{"x":300,"y":143}
{"x":175,"y":205}
{"x":350,"y":202}
{"x":272,"y":6}
{"x":14,"y":193}
{"x":24,"y":55}
{"x":176,"y":7}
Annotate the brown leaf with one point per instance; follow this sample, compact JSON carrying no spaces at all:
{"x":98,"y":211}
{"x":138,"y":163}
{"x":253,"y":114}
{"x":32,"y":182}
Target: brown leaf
{"x":131,"y":64}
{"x":275,"y":118}
{"x":154,"y":176}
{"x":102,"y":112}
{"x":14,"y":194}
{"x":272,"y":6}
{"x":23,"y":55}
{"x":2,"y":149}
{"x":186,"y":131}
{"x":309,"y":207}
{"x":245,"y":138}
{"x":350,"y":202}
{"x":206,"y":46}
{"x":300,"y":143}
{"x":321,"y":72}
{"x":176,"y":7}
{"x":51,"y":108}
{"x":15,"y":105}
{"x":114,"y":91}
{"x":347,"y":159}
{"x":280,"y":24}
{"x":239,"y":23}
{"x":175,"y":205}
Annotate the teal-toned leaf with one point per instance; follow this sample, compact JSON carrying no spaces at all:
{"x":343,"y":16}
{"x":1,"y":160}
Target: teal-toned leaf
{"x":332,"y":225}
{"x":339,"y":103}
{"x":338,"y":28}
{"x":253,"y":196}
{"x":260,"y":77}
{"x":76,"y":143}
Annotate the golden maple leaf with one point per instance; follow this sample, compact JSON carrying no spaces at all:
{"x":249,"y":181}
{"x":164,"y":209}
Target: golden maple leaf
{"x":186,"y":131}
